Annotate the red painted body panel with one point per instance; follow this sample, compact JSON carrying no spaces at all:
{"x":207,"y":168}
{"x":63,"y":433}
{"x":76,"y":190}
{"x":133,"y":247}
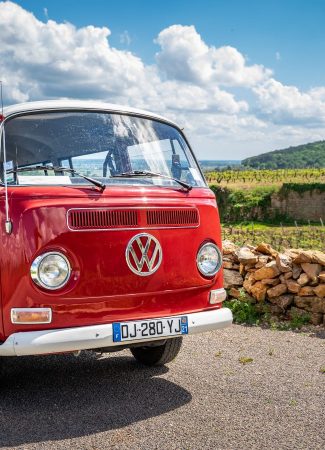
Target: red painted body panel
{"x":102,"y":288}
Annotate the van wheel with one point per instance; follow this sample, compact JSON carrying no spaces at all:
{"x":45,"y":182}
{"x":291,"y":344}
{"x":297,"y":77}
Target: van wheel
{"x":160,"y":355}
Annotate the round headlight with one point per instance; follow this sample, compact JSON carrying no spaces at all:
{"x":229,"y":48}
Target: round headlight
{"x":209,"y":259}
{"x":50,"y":270}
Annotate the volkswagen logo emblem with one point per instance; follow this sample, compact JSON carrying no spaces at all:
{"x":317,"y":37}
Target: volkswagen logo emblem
{"x":143,"y":254}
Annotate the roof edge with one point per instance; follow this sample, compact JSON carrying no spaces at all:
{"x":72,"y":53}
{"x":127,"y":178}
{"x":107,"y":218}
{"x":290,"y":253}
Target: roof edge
{"x":79,"y":104}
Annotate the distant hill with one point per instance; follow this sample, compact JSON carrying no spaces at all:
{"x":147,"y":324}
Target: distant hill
{"x":214,"y":164}
{"x":300,"y":157}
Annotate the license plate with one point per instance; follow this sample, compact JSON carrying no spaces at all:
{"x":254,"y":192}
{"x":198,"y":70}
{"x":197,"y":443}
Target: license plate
{"x":149,"y":329}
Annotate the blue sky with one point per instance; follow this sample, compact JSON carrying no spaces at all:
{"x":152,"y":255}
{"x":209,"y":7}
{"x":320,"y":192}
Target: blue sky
{"x":286,"y":35}
{"x":248,"y":76}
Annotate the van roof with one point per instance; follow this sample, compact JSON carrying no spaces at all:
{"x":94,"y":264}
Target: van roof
{"x":78,"y":105}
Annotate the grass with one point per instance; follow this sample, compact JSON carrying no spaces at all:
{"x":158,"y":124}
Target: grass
{"x":245,"y":360}
{"x":247,"y":313}
{"x":290,"y":225}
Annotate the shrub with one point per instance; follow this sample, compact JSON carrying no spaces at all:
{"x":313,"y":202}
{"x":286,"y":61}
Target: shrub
{"x":242,"y":204}
{"x":243,"y":311}
{"x":299,"y":320}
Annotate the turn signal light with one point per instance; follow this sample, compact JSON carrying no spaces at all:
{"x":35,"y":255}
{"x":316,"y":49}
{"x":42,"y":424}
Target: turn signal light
{"x":31,"y":315}
{"x":217,"y":296}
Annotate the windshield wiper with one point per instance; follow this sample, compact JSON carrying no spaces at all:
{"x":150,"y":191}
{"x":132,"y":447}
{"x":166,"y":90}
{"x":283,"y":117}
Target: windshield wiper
{"x":144,"y":173}
{"x":99,"y":184}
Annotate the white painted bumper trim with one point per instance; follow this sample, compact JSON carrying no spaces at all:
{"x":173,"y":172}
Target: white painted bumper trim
{"x":97,"y":336}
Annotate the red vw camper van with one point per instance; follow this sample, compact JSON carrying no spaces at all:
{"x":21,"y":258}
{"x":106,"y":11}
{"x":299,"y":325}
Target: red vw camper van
{"x":110,"y":237}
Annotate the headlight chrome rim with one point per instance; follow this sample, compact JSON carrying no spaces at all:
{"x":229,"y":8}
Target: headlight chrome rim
{"x":218,"y":266}
{"x":35,"y":270}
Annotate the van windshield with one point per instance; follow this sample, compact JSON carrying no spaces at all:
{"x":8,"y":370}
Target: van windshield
{"x":99,"y":145}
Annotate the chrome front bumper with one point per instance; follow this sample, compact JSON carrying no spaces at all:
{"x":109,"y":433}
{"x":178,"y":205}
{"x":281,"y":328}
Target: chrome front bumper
{"x":97,"y":336}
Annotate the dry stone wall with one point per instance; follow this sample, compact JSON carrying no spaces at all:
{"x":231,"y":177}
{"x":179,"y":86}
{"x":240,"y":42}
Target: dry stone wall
{"x":308,"y":205}
{"x":292,"y":282}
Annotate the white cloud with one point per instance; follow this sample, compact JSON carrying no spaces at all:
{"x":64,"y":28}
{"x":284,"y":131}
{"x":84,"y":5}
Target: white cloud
{"x":184,"y":56}
{"x":287,"y":105}
{"x":277,"y":56}
{"x":39,"y":60}
{"x":42,"y":60}
{"x":189,"y":97}
{"x":214,"y":92}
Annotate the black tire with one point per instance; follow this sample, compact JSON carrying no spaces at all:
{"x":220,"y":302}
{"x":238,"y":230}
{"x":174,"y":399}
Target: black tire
{"x":160,"y":355}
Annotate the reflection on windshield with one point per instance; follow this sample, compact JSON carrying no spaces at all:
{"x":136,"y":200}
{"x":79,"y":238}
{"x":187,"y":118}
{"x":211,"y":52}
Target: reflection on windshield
{"x":98,"y":145}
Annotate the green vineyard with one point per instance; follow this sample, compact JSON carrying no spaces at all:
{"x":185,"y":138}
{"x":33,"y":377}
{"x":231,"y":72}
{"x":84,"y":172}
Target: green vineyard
{"x":265,"y":177}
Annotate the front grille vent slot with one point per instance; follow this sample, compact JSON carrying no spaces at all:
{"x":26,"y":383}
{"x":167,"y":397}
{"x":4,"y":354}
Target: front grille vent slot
{"x":173,"y":217}
{"x":81,"y":219}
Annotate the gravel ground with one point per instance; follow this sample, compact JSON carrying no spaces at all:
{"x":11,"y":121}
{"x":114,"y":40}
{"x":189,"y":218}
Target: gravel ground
{"x":205,"y":399}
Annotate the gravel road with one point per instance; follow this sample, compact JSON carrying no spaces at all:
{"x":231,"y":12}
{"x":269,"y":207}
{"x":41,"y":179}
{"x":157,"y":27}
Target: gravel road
{"x":205,"y":399}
